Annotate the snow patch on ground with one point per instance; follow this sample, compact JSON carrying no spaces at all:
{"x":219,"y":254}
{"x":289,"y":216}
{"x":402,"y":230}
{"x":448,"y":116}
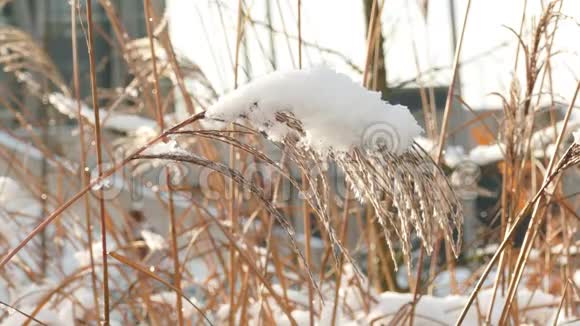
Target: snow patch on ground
{"x":394,"y":307}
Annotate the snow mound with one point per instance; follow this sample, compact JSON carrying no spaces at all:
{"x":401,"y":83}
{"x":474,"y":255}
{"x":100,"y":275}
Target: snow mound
{"x":325,"y":110}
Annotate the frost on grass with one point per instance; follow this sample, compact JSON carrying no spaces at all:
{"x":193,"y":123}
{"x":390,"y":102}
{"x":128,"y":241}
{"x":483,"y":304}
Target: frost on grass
{"x":170,"y":147}
{"x":319,"y":114}
{"x":139,"y":139}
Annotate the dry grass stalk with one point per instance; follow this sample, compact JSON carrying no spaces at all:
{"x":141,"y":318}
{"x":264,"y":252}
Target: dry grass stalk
{"x":21,"y":56}
{"x":567,"y":161}
{"x":102,"y":212}
{"x":83,"y":159}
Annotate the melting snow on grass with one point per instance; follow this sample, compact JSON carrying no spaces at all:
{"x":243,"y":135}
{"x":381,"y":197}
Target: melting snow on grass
{"x":332,"y":111}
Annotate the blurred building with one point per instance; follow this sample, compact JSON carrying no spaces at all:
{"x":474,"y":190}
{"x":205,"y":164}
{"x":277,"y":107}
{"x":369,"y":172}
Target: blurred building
{"x":49,"y":21}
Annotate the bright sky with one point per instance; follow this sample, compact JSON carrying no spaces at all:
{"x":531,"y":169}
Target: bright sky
{"x":205,"y":32}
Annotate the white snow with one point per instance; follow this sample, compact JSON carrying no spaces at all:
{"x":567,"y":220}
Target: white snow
{"x":104,"y":184}
{"x":15,"y":199}
{"x":169,"y":298}
{"x":153,"y":240}
{"x":335,"y":113}
{"x":19,"y":146}
{"x":542,"y":143}
{"x":445,"y":310}
{"x":536,"y":307}
{"x":30,"y":151}
{"x":486,"y":154}
{"x":454,"y":155}
{"x":427,"y":144}
{"x":111,"y":120}
{"x":560,"y":249}
{"x":170,"y":147}
{"x":48,"y":316}
{"x":442,"y":282}
{"x":83,"y":257}
{"x":315,"y":242}
{"x":548,"y":135}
